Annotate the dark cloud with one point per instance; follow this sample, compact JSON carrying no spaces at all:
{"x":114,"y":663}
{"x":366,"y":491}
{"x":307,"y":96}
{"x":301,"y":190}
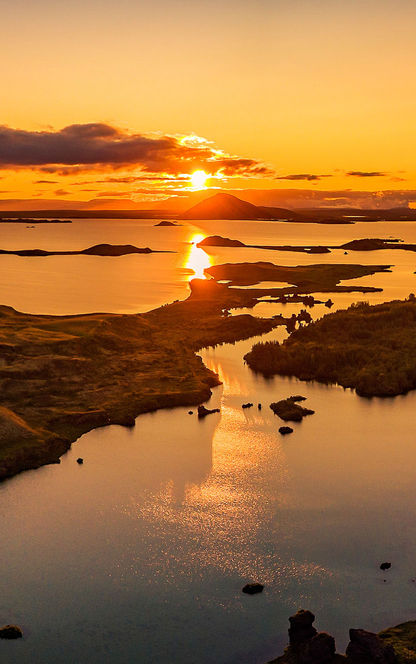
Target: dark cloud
{"x":367,"y":174}
{"x":79,"y":148}
{"x":61,"y":192}
{"x":45,"y":182}
{"x":302,"y":176}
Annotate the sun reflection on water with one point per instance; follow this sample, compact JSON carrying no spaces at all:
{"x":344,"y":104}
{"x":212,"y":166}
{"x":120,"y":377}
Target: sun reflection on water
{"x":197,"y":260}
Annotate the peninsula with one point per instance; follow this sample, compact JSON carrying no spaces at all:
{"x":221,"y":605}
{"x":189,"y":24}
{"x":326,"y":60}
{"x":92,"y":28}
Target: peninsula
{"x":61,"y":376}
{"x":369,"y":348}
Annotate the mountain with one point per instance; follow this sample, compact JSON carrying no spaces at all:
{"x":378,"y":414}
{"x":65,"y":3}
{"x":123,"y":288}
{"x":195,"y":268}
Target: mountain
{"x":226,"y":206}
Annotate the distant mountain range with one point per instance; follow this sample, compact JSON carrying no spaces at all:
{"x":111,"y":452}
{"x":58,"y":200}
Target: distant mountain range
{"x":218,"y":206}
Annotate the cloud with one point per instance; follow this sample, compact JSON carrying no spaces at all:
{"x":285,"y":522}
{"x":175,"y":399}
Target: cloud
{"x":45,"y":182}
{"x":303,"y":176}
{"x":112,"y":194}
{"x":61,"y":192}
{"x":367,"y":174}
{"x":96,"y":146}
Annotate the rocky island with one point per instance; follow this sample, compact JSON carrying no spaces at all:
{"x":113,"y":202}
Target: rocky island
{"x":369,"y":348}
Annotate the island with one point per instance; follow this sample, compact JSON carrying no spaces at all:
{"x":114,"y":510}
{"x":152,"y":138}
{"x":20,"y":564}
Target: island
{"x":96,"y":250}
{"x":365,"y":244}
{"x":369,"y":348}
{"x":309,"y":278}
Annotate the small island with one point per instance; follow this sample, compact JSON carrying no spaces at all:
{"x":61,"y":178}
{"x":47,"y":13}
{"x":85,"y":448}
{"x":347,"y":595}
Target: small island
{"x":369,"y":348}
{"x":96,"y":250}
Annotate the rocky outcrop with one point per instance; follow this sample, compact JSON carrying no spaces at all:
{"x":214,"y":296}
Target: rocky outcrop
{"x":203,"y":412}
{"x":11,"y":632}
{"x":288,"y":409}
{"x":301,"y":627}
{"x":368,"y":648}
{"x":253,"y":588}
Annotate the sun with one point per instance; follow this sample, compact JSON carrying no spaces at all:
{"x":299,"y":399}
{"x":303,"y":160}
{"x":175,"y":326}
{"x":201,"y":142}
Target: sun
{"x":198,"y":179}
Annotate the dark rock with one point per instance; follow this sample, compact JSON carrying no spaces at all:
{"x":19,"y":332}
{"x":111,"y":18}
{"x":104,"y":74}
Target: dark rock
{"x":320,"y":649}
{"x":166,"y":223}
{"x":10,"y":632}
{"x":259,"y":406}
{"x":385,"y":566}
{"x":288,"y":410}
{"x":80,"y":461}
{"x":301,"y":628}
{"x":253,"y":588}
{"x":247,"y":405}
{"x":190,"y":412}
{"x":203,"y":412}
{"x":329,"y":303}
{"x":367,"y":648}
{"x":285,"y":430}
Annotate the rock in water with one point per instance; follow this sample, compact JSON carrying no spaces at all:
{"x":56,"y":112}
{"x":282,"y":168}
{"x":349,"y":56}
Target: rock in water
{"x":385,"y":566}
{"x":253,"y":588}
{"x":301,"y":628}
{"x":367,"y":648}
{"x":80,"y":461}
{"x":247,"y":405}
{"x":285,"y":430}
{"x":288,"y":409}
{"x":203,"y":412}
{"x":10,"y":632}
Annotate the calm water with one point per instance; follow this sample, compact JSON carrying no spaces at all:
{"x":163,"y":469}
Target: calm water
{"x":140,"y":554}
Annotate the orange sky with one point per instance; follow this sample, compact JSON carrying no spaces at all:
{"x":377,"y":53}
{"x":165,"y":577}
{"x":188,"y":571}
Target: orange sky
{"x":300,"y":87}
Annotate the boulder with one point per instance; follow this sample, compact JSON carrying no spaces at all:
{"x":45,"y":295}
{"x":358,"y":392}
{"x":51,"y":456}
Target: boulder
{"x":80,"y":461}
{"x":368,"y":648}
{"x":203,"y":412}
{"x":10,"y":632}
{"x":301,"y":628}
{"x":253,"y":588}
{"x":247,"y":405}
{"x":385,"y":566}
{"x":285,"y":430}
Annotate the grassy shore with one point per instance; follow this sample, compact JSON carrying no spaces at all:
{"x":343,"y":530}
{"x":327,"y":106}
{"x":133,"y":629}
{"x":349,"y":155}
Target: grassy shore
{"x":369,"y":348}
{"x":61,"y":376}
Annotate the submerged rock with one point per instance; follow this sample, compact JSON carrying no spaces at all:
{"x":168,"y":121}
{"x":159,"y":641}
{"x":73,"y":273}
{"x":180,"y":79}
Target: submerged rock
{"x":253,"y":588}
{"x":203,"y":412}
{"x":368,"y":648}
{"x":385,"y":566}
{"x":11,"y":632}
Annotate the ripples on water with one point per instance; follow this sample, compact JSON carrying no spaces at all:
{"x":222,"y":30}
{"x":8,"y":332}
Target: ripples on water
{"x":141,"y":553}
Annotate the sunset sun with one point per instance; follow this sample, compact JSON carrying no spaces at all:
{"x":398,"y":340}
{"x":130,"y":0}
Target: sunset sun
{"x":198,"y":179}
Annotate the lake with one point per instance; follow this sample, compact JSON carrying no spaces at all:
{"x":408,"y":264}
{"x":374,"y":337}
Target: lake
{"x":140,"y":554}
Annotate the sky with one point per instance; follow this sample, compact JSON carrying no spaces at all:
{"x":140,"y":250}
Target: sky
{"x":126,"y":99}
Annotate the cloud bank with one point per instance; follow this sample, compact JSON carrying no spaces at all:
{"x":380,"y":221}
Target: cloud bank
{"x":98,"y":146}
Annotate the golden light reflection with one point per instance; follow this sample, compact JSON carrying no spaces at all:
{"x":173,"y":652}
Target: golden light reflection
{"x":197,"y":260}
